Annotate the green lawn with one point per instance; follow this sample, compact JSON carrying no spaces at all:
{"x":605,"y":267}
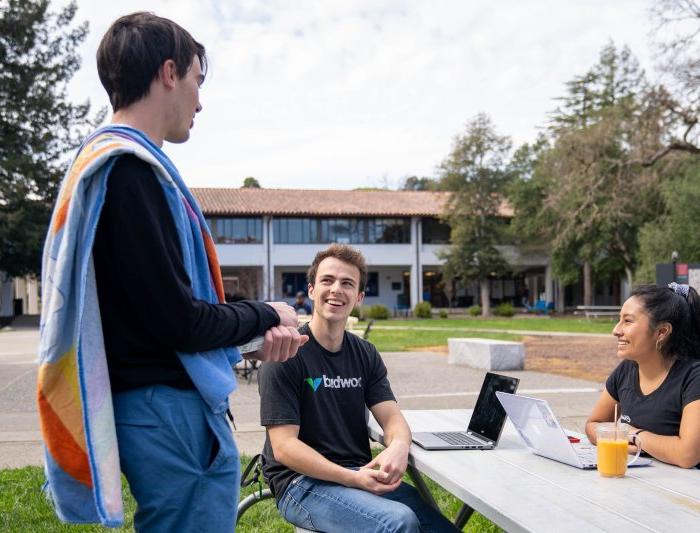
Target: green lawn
{"x":23,"y":508}
{"x":392,"y":340}
{"x":406,"y":338}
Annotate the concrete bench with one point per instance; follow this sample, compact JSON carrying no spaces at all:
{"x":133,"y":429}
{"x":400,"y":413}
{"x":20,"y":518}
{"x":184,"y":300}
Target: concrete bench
{"x":488,"y":354}
{"x":597,"y":310}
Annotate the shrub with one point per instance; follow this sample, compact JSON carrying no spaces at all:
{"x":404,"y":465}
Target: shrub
{"x":474,"y":310}
{"x":504,"y":309}
{"x":423,"y":310}
{"x":356,"y":312}
{"x":378,"y":311}
{"x":443,"y":313}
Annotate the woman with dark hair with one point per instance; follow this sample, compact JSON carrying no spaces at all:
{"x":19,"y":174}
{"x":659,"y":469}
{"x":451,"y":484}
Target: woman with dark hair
{"x":657,"y":384}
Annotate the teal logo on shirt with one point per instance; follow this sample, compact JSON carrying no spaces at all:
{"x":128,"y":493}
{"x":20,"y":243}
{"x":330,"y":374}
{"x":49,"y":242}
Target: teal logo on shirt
{"x":313,"y":382}
{"x":334,"y":383}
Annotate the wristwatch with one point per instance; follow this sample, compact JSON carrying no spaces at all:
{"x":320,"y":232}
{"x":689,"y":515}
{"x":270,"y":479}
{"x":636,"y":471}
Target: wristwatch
{"x":634,"y":436}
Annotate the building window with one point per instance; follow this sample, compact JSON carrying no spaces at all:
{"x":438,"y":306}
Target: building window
{"x":343,"y":230}
{"x":372,"y":287}
{"x":434,"y":231}
{"x":236,"y":230}
{"x":292,"y":283}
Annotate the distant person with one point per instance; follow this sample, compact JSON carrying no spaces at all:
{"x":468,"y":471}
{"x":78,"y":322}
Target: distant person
{"x":657,"y":384}
{"x":137,"y":343}
{"x":301,"y":304}
{"x":317,"y":459}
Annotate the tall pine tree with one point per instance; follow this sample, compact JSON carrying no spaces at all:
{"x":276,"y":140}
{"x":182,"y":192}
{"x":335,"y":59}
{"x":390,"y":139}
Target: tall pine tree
{"x":591,"y":198}
{"x":39,"y":127}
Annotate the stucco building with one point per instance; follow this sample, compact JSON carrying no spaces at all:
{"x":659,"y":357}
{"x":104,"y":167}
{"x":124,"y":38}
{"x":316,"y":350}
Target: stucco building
{"x":266,"y":239}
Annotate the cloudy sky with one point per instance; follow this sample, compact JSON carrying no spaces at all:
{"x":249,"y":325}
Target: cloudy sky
{"x":352,"y":93}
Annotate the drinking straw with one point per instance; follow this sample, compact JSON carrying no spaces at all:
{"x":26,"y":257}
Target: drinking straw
{"x":615,"y":437}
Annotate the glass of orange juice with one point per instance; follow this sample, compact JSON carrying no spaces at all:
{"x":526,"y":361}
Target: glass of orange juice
{"x":612,"y":443}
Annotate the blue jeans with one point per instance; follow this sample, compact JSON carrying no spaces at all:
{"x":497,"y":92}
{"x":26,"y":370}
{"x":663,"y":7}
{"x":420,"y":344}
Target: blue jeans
{"x":324,"y":506}
{"x":180,"y":460}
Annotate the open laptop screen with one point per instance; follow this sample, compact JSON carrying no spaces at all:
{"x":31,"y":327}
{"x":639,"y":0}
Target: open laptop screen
{"x":489,"y":416}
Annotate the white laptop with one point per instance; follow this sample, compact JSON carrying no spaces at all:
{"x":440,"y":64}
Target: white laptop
{"x":543,"y":435}
{"x":485,"y":425}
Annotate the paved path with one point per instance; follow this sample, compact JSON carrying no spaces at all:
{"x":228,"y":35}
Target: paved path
{"x":421,"y":380}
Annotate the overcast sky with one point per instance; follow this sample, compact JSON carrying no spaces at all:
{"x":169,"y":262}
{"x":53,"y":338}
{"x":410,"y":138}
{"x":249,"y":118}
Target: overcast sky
{"x":351,"y":93}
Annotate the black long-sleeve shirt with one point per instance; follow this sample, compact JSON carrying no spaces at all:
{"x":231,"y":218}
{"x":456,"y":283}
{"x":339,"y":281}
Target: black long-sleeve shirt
{"x":147,"y":308}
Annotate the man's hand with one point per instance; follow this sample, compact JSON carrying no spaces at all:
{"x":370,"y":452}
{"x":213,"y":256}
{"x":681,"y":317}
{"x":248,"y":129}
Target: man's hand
{"x":392,"y":462}
{"x":368,"y":479}
{"x":281,"y":343}
{"x":287,"y":314}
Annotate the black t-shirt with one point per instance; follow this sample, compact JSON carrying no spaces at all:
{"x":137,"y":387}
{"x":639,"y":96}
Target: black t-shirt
{"x":327,"y":395}
{"x":659,"y":412}
{"x":147,"y":308}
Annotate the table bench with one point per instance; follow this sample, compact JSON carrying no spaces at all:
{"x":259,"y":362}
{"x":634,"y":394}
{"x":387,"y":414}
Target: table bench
{"x":597,"y":310}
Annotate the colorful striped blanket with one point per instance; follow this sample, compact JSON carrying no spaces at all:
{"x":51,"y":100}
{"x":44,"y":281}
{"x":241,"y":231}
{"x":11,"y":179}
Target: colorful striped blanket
{"x":74,"y":397}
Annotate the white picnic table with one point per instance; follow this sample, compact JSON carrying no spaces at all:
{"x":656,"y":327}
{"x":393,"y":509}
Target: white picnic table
{"x":520,"y":491}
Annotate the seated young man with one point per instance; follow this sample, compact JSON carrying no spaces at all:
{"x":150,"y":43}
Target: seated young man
{"x":317,"y":458}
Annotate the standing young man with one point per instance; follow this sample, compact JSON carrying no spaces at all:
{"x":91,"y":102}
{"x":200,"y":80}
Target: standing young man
{"x":317,"y":459}
{"x":137,"y":342}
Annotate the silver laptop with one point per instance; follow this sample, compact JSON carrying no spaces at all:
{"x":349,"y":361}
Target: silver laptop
{"x":543,"y":435}
{"x":486,"y":423}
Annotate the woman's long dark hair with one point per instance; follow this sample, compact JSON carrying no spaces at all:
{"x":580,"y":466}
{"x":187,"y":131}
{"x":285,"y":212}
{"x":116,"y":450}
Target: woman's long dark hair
{"x":668,"y":304}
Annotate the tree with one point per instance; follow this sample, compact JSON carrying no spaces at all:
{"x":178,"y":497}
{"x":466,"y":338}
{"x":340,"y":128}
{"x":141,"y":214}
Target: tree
{"x":38,"y":125}
{"x":414,"y":183}
{"x":677,"y":32}
{"x":596,"y":201}
{"x":615,"y":80}
{"x":251,"y":183}
{"x":676,"y":228}
{"x":475,"y":172}
{"x":586,"y":197}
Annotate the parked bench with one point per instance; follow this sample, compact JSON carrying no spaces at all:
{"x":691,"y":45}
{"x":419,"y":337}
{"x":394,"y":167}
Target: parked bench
{"x":597,"y":310}
{"x":541,"y":307}
{"x":488,"y":354}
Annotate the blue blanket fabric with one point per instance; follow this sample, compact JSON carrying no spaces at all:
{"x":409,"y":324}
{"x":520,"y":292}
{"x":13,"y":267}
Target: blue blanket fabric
{"x":75,"y":407}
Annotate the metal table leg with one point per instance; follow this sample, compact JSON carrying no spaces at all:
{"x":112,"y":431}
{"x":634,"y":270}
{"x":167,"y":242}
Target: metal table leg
{"x":463,"y":516}
{"x":464,"y":513}
{"x":421,"y":487}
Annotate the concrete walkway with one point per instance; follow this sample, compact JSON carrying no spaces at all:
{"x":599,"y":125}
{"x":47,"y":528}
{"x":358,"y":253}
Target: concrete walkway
{"x":421,"y":380}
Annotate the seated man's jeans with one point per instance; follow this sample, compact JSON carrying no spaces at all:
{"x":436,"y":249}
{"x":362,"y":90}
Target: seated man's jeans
{"x":324,"y":506}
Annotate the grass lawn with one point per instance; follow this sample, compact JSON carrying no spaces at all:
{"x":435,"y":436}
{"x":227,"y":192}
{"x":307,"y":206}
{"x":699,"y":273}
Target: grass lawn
{"x":23,"y":508}
{"x":394,"y":340}
{"x":571,"y":324}
{"x":406,"y":338}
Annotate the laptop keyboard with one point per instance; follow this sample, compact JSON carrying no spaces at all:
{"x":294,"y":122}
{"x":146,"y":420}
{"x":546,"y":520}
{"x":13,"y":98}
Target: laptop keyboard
{"x":586,"y":455}
{"x":458,"y":438}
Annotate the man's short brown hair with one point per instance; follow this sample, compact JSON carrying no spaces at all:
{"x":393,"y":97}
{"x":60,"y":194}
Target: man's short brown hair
{"x":133,"y":50}
{"x":344,"y":253}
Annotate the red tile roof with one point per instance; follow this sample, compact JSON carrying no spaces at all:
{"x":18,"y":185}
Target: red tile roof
{"x":311,"y":202}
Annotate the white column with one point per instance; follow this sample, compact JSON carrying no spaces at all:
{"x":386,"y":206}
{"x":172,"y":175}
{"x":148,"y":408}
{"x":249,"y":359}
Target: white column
{"x":268,"y":270}
{"x":625,"y":289}
{"x":21,"y":293}
{"x":32,"y":296}
{"x":548,"y":286}
{"x":416,"y":270}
